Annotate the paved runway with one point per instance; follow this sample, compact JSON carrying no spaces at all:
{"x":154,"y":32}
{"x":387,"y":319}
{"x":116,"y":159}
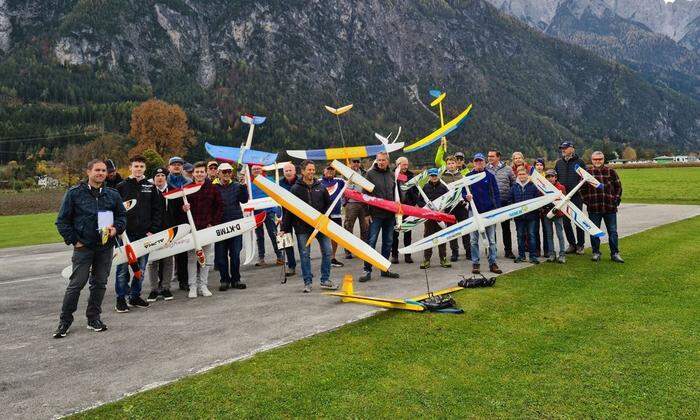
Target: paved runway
{"x":41,"y":377}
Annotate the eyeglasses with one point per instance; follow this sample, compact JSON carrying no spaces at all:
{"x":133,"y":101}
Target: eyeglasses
{"x":213,"y":166}
{"x":226,"y":171}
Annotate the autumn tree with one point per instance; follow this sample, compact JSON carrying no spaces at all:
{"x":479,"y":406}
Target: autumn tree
{"x":628,"y":153}
{"x":162,"y":127}
{"x":153,"y":161}
{"x":108,"y":146}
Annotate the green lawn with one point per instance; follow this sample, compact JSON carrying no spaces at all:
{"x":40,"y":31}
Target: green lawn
{"x":661,"y":185}
{"x":29,"y":229}
{"x":581,"y":340}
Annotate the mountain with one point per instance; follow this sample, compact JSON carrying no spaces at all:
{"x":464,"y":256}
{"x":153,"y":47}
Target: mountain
{"x":84,"y":64}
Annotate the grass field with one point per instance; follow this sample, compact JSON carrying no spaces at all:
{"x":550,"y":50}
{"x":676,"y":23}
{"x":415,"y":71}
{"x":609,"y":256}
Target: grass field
{"x":29,"y":229}
{"x":585,"y":340}
{"x":661,"y":185}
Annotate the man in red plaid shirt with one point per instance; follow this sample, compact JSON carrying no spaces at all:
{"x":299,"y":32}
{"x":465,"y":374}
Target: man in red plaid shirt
{"x":602,"y":204}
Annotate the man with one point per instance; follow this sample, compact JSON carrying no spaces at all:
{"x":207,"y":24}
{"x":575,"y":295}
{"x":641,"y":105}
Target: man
{"x":452,"y":174}
{"x":77,"y":222}
{"x":334,"y":186}
{"x":160,"y":272}
{"x":380,"y":220}
{"x":189,"y":169}
{"x":309,"y":190}
{"x":409,"y":198}
{"x":228,"y":252}
{"x":433,"y":189}
{"x":289,"y":178}
{"x":177,"y":179}
{"x":212,"y":170}
{"x":141,"y":221}
{"x":207,"y":210}
{"x":461,"y":164}
{"x":566,"y":171}
{"x":602,"y":204}
{"x":354,"y":210}
{"x":270,"y":223}
{"x":504,"y":178}
{"x":486,"y":197}
{"x":113,"y":177}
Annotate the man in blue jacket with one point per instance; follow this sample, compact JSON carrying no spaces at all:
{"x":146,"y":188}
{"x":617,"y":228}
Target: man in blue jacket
{"x":77,"y":222}
{"x":227,"y":253}
{"x":486,"y":197}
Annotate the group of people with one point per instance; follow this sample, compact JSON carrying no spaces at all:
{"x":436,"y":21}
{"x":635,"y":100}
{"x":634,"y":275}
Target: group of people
{"x":223,"y":191}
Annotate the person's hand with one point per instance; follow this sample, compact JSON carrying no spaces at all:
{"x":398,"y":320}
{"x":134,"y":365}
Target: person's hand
{"x":443,"y":142}
{"x":186,"y":207}
{"x":280,"y":233}
{"x":79,"y":244}
{"x":112,"y":231}
{"x":469,"y":197}
{"x":149,"y":233}
{"x":368,"y":219}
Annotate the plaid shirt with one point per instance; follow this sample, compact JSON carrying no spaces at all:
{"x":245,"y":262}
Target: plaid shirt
{"x":603,"y":200}
{"x":206,"y":206}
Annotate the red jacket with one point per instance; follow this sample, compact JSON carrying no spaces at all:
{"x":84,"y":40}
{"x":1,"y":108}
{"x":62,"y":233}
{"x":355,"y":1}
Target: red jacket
{"x":606,"y":199}
{"x":206,"y":206}
{"x":545,"y":209}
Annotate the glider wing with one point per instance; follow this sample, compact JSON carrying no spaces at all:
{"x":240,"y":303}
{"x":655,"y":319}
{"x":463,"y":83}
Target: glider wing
{"x":439,"y":133}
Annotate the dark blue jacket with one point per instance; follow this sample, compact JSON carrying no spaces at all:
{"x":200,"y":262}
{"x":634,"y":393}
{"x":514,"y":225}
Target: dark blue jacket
{"x":77,"y":219}
{"x":485,"y":192}
{"x":232,"y":196}
{"x":520,"y":193}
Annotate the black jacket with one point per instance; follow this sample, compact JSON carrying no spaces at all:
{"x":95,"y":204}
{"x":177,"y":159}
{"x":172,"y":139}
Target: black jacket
{"x":77,"y":219}
{"x":384,"y":182}
{"x":147,"y":216}
{"x":566,"y":172}
{"x":432,"y":191}
{"x":411,"y":196}
{"x":315,"y":195}
{"x":233,"y":195}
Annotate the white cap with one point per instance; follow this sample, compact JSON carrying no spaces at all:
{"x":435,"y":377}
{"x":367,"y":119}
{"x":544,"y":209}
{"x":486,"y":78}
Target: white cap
{"x":224,"y":166}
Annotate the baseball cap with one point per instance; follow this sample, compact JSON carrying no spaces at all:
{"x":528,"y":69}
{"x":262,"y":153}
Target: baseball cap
{"x":459,"y":155}
{"x":566,"y":144}
{"x":176,"y":159}
{"x":213,"y":162}
{"x":225,"y":167}
{"x":479,"y":156}
{"x":550,"y":172}
{"x":111,"y":167}
{"x":433,"y":172}
{"x":161,"y":171}
{"x":188,"y":167}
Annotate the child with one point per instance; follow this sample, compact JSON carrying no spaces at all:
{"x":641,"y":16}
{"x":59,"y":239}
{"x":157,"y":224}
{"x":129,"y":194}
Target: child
{"x":526,"y":225}
{"x":556,"y":222}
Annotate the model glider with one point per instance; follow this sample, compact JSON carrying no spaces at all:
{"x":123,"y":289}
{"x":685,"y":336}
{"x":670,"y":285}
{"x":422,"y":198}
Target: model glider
{"x":439,"y":97}
{"x":565,"y":205}
{"x":477,"y":222}
{"x":233,"y":155}
{"x":347,"y":153}
{"x":183,"y":193}
{"x":445,"y":202}
{"x":421,"y":179}
{"x":321,"y":222}
{"x":338,"y":111}
{"x":439,"y":133}
{"x":208,"y":236}
{"x":126,"y":248}
{"x":397,"y":208}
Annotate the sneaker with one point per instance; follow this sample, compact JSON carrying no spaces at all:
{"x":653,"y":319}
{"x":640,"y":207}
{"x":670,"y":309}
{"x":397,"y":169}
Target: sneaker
{"x":552,"y":258}
{"x":62,"y":330}
{"x":153,"y":296}
{"x":534,"y":260}
{"x":617,"y":258}
{"x":595,"y":257}
{"x":425,"y":265}
{"x":510,"y":255}
{"x":192,"y":293}
{"x":445,"y":264}
{"x":307,"y":288}
{"x":224,"y":287}
{"x":394,"y":259}
{"x":571,"y":249}
{"x":561,"y":259}
{"x":238,"y":285}
{"x":261,"y":263}
{"x":475,"y":269}
{"x":96,"y":325}
{"x":579,"y":250}
{"x":121,"y":305}
{"x":328,"y":285}
{"x":494,"y":269}
{"x":367,"y":276}
{"x":454,"y":257}
{"x":167,"y":295}
{"x":348,"y":256}
{"x":289,"y":272}
{"x":389,"y":274}
{"x":204,"y":290}
{"x":336,"y":263}
{"x":518,"y":260}
{"x":408,"y":259}
{"x":138,"y":302}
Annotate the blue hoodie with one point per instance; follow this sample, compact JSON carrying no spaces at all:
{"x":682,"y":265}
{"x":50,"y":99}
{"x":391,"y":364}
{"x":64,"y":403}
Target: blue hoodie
{"x":485,"y":192}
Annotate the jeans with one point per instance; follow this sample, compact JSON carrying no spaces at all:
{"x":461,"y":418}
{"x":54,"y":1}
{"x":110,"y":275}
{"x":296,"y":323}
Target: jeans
{"x":271,"y":228}
{"x":386,"y":225}
{"x":227,"y":258}
{"x":121,"y":285}
{"x":548,"y":226}
{"x":291,"y":259}
{"x":610,"y":220}
{"x":199,"y":275}
{"x":580,"y":239}
{"x":85,"y":259}
{"x":160,"y":273}
{"x":527,"y":229}
{"x":305,"y":257}
{"x":491,"y":236}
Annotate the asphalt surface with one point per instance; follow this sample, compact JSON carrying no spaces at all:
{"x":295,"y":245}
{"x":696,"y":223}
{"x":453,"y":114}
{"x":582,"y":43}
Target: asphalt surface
{"x":41,"y":377}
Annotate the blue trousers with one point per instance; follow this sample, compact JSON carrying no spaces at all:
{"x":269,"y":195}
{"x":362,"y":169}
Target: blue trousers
{"x":227,"y":258}
{"x":305,"y":257}
{"x":491,"y":237}
{"x":121,"y":286}
{"x":271,"y":228}
{"x":610,"y":220}
{"x":386,"y":226}
{"x":527,"y":229}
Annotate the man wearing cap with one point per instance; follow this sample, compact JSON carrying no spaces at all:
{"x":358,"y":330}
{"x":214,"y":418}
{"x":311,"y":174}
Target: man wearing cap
{"x":177,"y":179}
{"x":602,"y":204}
{"x":270,"y":223}
{"x":160,"y":272}
{"x":289,"y":178}
{"x":354,"y":210}
{"x":227,"y":253}
{"x":486,"y":197}
{"x":189,"y":170}
{"x":409,"y":198}
{"x":566,"y":172}
{"x":504,"y":178}
{"x":335,"y":186}
{"x":433,"y":189}
{"x":213,"y":170}
{"x":113,"y":178}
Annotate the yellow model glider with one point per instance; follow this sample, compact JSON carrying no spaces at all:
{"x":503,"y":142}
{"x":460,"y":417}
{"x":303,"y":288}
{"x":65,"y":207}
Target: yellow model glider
{"x":339,"y":111}
{"x":439,"y":133}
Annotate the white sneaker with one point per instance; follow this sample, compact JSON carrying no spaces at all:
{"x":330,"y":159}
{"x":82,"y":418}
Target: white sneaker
{"x":192,"y":293}
{"x":204,"y":291}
